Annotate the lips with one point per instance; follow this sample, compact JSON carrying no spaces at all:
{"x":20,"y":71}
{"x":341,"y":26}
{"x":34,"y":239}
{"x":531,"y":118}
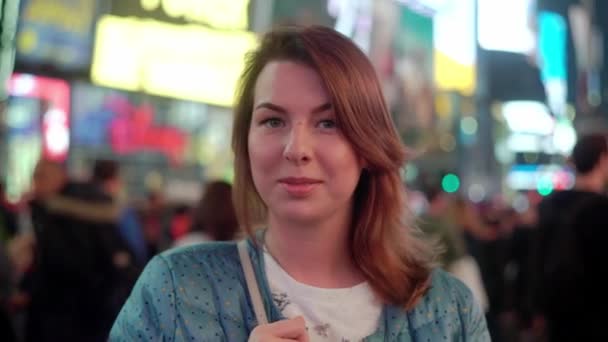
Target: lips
{"x":298,"y":180}
{"x":299,"y":186}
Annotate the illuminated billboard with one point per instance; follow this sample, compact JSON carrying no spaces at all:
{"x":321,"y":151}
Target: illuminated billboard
{"x":50,"y":33}
{"x":180,"y":140}
{"x":186,"y":62}
{"x":168,"y":49}
{"x":37,"y":127}
{"x":55,"y":96}
{"x":505,"y":25}
{"x":455,"y":46}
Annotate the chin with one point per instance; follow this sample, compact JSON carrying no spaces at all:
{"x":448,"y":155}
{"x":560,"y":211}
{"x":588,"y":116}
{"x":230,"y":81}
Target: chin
{"x":297,"y":212}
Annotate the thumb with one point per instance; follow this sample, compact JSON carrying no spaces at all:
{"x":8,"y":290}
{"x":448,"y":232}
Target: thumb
{"x":300,"y":323}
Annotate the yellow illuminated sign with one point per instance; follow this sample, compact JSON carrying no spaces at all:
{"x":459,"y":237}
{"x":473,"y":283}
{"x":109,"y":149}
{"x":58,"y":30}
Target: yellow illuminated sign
{"x":180,"y":61}
{"x":451,"y":75}
{"x":219,"y":14}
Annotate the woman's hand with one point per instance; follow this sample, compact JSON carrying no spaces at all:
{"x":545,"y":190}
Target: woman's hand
{"x":287,"y":330}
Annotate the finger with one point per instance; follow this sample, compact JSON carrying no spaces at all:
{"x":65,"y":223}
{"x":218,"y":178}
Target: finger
{"x":293,"y":328}
{"x":304,"y":335}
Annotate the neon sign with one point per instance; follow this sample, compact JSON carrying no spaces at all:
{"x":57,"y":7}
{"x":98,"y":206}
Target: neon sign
{"x":113,"y":119}
{"x":55,"y":120}
{"x":188,"y":62}
{"x":133,"y":130}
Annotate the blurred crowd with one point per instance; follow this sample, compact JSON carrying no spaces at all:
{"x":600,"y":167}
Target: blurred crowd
{"x":536,"y":268}
{"x":71,"y":251}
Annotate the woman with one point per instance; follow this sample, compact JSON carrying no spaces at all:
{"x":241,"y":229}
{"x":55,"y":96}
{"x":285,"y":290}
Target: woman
{"x":214,"y":218}
{"x":317,"y":162}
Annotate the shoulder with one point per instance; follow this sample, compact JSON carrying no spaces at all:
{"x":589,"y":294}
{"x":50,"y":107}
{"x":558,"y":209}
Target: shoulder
{"x":444,"y":283}
{"x":445,"y":295}
{"x":449,"y":307}
{"x":202,"y":256}
{"x":194,"y":264}
{"x":182,"y":289}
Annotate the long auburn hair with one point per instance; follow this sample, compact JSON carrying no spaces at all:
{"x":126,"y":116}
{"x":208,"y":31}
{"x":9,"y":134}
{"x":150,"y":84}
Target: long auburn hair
{"x":390,"y":253}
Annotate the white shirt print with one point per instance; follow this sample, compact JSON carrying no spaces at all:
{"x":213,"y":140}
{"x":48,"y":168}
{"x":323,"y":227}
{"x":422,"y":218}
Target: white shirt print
{"x":348,"y":314}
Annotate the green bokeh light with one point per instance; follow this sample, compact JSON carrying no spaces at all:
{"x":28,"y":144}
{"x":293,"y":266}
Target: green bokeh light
{"x":544,"y":186}
{"x":450,"y":183}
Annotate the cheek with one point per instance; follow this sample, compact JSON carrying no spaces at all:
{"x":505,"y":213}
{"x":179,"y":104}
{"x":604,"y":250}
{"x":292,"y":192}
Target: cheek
{"x":345,"y":166}
{"x":349,"y":157}
{"x":262,"y":157}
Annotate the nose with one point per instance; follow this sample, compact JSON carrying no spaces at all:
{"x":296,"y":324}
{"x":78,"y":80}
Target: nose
{"x":298,"y":148}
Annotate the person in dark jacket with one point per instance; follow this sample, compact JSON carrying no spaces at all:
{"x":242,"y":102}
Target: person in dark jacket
{"x":108,"y":180}
{"x":84,"y":269}
{"x":570,"y":250}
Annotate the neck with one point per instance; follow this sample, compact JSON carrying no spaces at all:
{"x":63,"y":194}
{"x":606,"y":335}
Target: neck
{"x":593,"y":182}
{"x":316,"y":254}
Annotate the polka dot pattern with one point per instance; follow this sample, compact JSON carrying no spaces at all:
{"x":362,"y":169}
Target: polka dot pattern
{"x":198,"y":293}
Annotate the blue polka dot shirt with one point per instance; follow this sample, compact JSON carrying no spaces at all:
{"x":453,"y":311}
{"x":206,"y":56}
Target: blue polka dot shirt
{"x":198,"y":293}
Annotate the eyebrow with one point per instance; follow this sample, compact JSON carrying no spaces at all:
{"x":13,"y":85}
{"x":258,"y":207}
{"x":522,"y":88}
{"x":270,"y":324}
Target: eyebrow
{"x":268,"y":105}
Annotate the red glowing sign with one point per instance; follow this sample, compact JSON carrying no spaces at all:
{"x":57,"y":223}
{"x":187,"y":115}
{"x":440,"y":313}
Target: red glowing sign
{"x":55,"y":94}
{"x":133,"y":130}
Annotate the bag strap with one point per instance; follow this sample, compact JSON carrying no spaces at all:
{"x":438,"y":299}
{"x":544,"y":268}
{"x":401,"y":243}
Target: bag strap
{"x":252,"y":284}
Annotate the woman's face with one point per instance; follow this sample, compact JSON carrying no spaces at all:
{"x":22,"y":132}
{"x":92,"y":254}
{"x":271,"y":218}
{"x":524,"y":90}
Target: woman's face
{"x":302,"y":165}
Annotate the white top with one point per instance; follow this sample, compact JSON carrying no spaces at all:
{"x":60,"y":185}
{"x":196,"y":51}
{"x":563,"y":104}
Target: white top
{"x":347,"y":314}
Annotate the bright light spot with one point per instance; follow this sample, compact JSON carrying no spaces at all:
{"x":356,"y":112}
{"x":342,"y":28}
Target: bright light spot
{"x":564,"y":137}
{"x":523,"y":142}
{"x":556,"y":90}
{"x":468,"y":125}
{"x":23,"y":85}
{"x":477,"y":193}
{"x":528,"y":117}
{"x":410,"y":173}
{"x":503,"y":26}
{"x":502,"y":153}
{"x":57,"y":135}
{"x":544,"y":186}
{"x":450,"y":183}
{"x":57,"y":139}
{"x":521,"y":203}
